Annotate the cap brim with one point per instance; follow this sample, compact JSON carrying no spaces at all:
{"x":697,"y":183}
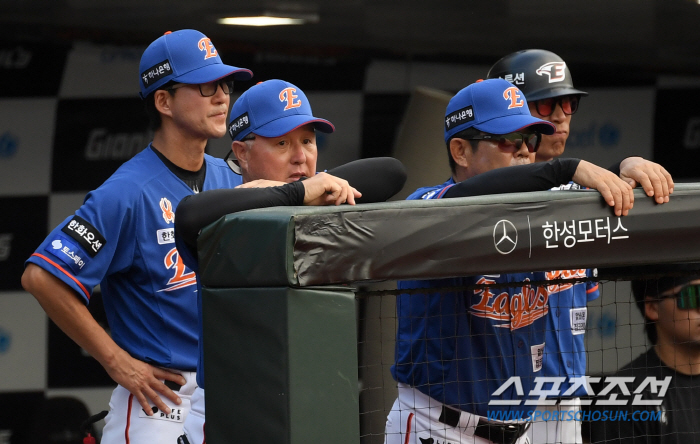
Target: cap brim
{"x":554,"y":92}
{"x":213,"y":72}
{"x":286,"y":124}
{"x":513,"y":123}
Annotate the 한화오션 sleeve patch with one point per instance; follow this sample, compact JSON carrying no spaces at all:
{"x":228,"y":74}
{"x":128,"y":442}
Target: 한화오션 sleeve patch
{"x":85,"y":234}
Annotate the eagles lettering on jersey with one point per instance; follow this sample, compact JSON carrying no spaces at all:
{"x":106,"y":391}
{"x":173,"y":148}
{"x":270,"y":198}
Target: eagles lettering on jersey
{"x":459,"y":347}
{"x":564,"y":274}
{"x":516,"y":310}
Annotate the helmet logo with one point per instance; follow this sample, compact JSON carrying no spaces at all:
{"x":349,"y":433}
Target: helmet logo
{"x":556,"y":71}
{"x":514,"y":95}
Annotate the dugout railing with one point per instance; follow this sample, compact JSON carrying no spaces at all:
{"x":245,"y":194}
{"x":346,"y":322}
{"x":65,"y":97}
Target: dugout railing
{"x":278,"y":301}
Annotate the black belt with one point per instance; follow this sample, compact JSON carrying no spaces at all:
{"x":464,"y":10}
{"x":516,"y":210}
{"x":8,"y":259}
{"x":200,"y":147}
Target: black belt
{"x":497,"y":433}
{"x":174,"y":386}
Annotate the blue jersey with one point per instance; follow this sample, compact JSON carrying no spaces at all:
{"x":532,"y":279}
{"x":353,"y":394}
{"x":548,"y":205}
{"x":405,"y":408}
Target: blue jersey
{"x":565,"y":353}
{"x":461,"y":347}
{"x":122,"y":238}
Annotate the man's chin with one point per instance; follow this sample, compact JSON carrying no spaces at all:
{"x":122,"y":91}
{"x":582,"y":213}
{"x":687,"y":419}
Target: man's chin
{"x":548,"y":153}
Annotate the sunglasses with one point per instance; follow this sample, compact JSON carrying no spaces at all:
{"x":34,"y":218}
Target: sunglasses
{"x":209,"y":89}
{"x":512,"y":141}
{"x":568,"y":104}
{"x":688,"y":298}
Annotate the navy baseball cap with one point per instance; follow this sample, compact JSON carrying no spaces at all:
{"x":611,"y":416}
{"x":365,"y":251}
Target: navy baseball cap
{"x":493,"y":106}
{"x":184,"y":56}
{"x":272,"y":109}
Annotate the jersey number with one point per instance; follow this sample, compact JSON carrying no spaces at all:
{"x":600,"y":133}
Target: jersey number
{"x":180,"y":279}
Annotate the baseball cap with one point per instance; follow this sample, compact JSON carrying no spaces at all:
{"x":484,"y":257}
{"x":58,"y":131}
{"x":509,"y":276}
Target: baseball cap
{"x":493,"y":106}
{"x":184,"y":56}
{"x":271,"y":109}
{"x":538,"y":73}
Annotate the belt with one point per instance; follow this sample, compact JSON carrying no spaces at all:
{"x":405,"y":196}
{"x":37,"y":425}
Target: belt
{"x":498,"y":433}
{"x":174,"y":386}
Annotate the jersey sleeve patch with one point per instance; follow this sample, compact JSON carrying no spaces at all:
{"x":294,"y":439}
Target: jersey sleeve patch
{"x":85,"y":234}
{"x":70,"y":276}
{"x":68,"y":253}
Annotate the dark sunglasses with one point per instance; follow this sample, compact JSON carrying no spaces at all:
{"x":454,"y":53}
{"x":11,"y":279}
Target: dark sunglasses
{"x":688,"y":298}
{"x":569,"y":104}
{"x":512,"y":140}
{"x":209,"y":89}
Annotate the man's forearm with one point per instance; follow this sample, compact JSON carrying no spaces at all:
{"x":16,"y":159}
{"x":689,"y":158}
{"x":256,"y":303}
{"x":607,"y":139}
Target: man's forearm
{"x":70,"y":314}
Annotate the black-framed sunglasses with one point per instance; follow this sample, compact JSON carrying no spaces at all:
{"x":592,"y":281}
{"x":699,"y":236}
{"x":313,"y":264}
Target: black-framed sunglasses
{"x":688,"y":298}
{"x":568,"y":104}
{"x":512,"y":140}
{"x":209,"y":89}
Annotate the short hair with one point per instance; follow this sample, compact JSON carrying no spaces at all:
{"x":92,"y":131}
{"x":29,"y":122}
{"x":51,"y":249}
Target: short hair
{"x":465,"y":134}
{"x":653,"y":287}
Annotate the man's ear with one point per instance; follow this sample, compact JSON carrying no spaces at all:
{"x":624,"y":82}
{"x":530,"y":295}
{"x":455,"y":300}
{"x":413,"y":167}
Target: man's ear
{"x":240,"y":150}
{"x":651,"y":309}
{"x":162,"y":101}
{"x":461,"y":151}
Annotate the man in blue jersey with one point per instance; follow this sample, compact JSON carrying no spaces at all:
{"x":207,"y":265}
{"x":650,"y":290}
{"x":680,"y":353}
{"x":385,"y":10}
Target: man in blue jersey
{"x":545,"y":80}
{"x":456,"y":349}
{"x":122,"y":238}
{"x":274,"y":149}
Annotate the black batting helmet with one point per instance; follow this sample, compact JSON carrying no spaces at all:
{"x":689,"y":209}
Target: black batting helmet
{"x":538,"y":73}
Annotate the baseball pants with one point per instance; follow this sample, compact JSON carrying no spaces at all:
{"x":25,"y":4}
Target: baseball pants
{"x":128,"y":423}
{"x":415,"y":418}
{"x":194,"y":424}
{"x":556,"y":424}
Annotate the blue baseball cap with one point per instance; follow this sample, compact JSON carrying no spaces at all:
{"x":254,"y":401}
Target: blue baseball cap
{"x":272,"y":109}
{"x":184,"y":56}
{"x":493,"y":106}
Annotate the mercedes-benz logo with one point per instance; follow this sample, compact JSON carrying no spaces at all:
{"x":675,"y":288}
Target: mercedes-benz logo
{"x":505,"y":236}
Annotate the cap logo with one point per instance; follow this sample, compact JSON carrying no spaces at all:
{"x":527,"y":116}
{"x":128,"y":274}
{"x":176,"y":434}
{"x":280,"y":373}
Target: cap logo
{"x":514,"y":95}
{"x":156,"y":72}
{"x":556,"y":71}
{"x":288,"y":95}
{"x":206,"y":45}
{"x":239,"y":124}
{"x":459,"y":117}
